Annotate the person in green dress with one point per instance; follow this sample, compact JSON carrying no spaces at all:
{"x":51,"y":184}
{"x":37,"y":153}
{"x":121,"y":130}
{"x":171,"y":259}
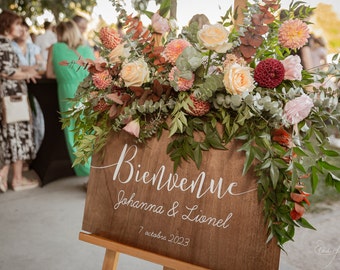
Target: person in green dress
{"x":70,"y":47}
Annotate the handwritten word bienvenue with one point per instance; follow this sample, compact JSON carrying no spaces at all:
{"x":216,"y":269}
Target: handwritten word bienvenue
{"x":199,"y":186}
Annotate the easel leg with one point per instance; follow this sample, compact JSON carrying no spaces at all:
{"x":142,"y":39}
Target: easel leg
{"x":110,"y":260}
{"x":167,"y":268}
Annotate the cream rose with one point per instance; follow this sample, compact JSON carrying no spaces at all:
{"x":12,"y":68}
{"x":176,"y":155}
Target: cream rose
{"x":237,"y":79}
{"x":214,"y":37}
{"x":118,"y":53}
{"x":135,"y":73}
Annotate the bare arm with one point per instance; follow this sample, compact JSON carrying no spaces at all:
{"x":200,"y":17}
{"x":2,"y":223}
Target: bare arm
{"x":28,"y":74}
{"x":49,"y":68}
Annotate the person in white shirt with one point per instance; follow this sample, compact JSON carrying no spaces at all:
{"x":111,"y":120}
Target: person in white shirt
{"x":45,"y":40}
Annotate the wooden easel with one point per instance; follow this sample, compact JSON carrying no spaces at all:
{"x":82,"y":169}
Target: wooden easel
{"x":113,"y":249}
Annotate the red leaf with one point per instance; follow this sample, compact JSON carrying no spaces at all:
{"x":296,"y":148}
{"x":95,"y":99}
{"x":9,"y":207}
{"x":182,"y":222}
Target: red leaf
{"x":115,"y":98}
{"x":247,"y":50}
{"x":137,"y":90}
{"x":261,"y":29}
{"x":257,"y":19}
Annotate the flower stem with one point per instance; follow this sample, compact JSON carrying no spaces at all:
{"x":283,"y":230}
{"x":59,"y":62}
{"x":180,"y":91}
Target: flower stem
{"x":208,"y":64}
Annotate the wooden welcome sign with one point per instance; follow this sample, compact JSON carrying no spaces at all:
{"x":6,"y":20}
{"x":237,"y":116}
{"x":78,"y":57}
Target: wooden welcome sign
{"x":208,"y":217}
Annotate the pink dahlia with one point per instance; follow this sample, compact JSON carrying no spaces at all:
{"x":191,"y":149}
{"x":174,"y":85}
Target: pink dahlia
{"x":174,"y":49}
{"x":102,"y":79}
{"x":293,"y":34}
{"x":109,"y":37}
{"x":200,"y":107}
{"x":269,"y":73}
{"x":182,"y":84}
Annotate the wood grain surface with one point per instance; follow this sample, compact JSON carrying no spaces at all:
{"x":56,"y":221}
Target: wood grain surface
{"x":208,"y":217}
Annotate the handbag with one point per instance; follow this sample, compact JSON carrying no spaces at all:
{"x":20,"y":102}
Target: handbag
{"x":16,"y":108}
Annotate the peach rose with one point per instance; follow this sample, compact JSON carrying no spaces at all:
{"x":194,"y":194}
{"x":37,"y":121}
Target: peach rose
{"x":214,"y":37}
{"x":118,"y":53}
{"x":293,"y":68}
{"x":135,"y":73}
{"x":237,"y":79}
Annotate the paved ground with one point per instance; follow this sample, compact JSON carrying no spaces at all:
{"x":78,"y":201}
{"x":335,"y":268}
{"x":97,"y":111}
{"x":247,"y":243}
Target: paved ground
{"x":318,"y":249}
{"x":39,"y":231}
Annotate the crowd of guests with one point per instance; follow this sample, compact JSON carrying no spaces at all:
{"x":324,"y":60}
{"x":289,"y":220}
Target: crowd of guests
{"x":25,"y":60}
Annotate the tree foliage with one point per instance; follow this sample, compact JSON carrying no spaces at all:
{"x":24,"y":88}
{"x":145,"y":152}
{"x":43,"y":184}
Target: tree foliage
{"x":326,"y":24}
{"x":60,"y":9}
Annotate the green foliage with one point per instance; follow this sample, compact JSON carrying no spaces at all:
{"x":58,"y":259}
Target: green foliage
{"x":284,"y":150}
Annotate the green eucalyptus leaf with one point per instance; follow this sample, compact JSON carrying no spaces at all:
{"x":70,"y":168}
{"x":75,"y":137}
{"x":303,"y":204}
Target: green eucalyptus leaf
{"x":274,"y":175}
{"x":299,"y":152}
{"x":304,"y":223}
{"x":300,"y":167}
{"x":314,"y":178}
{"x":328,"y":166}
{"x":330,"y":153}
{"x":250,"y":155}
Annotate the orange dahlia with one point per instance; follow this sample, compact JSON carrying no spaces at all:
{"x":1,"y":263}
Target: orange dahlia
{"x":109,"y":37}
{"x":102,"y":79}
{"x":181,"y":83}
{"x":174,"y":49}
{"x":293,"y":34}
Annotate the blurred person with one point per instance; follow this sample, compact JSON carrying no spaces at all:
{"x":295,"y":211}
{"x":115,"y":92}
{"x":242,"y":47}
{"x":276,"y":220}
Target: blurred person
{"x":70,"y":47}
{"x":318,"y":51}
{"x":45,"y":40}
{"x":82,"y":25}
{"x":29,"y":56}
{"x":16,"y":139}
{"x":28,"y":52}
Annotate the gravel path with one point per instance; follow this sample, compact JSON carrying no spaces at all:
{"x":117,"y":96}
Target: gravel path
{"x":318,"y":249}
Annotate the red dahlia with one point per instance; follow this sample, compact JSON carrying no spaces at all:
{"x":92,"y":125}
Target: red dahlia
{"x":200,"y":107}
{"x":101,"y":106}
{"x":269,"y":73}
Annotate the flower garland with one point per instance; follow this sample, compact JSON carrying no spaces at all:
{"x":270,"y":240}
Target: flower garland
{"x":245,"y":78}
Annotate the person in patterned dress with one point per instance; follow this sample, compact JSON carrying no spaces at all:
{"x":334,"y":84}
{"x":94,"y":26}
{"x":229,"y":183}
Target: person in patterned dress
{"x":16,"y":139}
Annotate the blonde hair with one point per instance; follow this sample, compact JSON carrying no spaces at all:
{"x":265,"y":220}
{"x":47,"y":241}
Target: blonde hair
{"x":68,"y":32}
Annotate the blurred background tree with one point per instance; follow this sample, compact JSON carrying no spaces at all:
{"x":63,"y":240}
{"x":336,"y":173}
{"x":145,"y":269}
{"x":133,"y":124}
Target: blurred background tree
{"x":326,"y":20}
{"x":326,"y":24}
{"x":60,"y":9}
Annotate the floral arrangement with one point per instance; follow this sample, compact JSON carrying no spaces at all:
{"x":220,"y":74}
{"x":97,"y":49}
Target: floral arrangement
{"x":246,"y":78}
